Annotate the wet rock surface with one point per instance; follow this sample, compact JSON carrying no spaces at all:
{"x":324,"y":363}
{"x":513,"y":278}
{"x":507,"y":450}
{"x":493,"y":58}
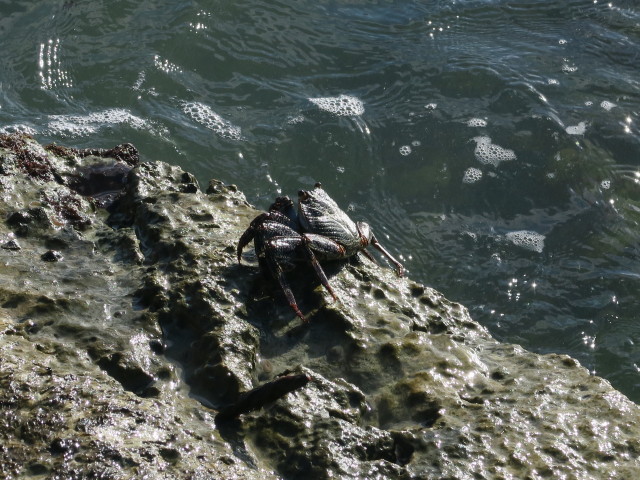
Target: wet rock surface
{"x":116,"y":356}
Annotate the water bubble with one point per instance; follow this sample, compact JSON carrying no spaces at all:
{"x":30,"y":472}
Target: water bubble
{"x":405,"y":150}
{"x":605,"y":184}
{"x":204,"y":115}
{"x":562,"y":41}
{"x":577,"y":129}
{"x":476,"y":122}
{"x":431,"y":106}
{"x":471,"y":175}
{"x":588,"y":103}
{"x":416,"y":143}
{"x":607,"y":105}
{"x":569,"y":68}
{"x":472,"y":235}
{"x":553,"y":81}
{"x":293,"y":120}
{"x":343,"y":105}
{"x":527,"y":239}
{"x":490,"y":153}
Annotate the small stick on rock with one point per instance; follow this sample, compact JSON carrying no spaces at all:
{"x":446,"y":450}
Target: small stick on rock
{"x":260,"y":396}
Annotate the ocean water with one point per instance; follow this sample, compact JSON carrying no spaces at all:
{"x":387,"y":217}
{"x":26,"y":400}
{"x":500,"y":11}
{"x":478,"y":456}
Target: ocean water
{"x":494,"y":146}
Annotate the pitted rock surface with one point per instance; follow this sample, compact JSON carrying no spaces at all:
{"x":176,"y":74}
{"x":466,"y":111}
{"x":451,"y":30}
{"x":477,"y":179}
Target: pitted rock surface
{"x":115,"y":359}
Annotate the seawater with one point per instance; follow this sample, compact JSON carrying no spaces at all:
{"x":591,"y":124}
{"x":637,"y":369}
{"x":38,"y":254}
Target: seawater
{"x":493,"y":146}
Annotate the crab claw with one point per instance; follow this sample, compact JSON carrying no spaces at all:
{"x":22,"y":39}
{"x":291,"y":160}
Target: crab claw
{"x":246,"y":237}
{"x":250,"y":233}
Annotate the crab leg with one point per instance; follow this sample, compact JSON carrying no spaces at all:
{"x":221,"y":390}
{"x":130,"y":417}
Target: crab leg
{"x":324,"y":247}
{"x":283,"y":251}
{"x":289,"y":294}
{"x":310,"y":247}
{"x":398,"y":265}
{"x":369,"y":256}
{"x":276,"y":253}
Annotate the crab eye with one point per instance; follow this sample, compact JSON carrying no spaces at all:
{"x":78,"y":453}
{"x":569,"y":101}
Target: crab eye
{"x":365,"y":232}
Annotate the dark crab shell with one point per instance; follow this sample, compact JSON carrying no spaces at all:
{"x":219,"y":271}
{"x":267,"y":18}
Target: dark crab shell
{"x":320,"y":214}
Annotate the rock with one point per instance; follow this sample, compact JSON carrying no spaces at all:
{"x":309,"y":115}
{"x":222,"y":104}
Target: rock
{"x":115,"y":362}
{"x":11,"y":244}
{"x":52,"y":256}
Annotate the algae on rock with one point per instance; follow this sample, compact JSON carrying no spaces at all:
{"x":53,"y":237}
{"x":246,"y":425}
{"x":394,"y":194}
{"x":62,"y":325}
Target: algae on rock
{"x":115,"y":359}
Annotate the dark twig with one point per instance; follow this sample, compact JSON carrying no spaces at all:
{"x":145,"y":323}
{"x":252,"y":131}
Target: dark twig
{"x":260,"y":396}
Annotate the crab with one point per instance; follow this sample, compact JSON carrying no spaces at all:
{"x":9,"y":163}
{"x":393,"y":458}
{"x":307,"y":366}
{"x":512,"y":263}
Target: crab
{"x":319,"y":230}
{"x":279,"y":246}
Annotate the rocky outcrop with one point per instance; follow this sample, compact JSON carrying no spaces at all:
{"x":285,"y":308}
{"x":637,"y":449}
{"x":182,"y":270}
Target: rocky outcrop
{"x":125,"y":330}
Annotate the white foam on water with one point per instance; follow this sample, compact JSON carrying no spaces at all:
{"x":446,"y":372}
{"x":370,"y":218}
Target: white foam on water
{"x":18,"y":128}
{"x":342,"y":105}
{"x":605,"y":184}
{"x":293,"y":120}
{"x":489,"y":153}
{"x":527,"y":239}
{"x":204,"y":115}
{"x":81,"y":125}
{"x":476,"y":122}
{"x":471,"y":175}
{"x":431,"y":106}
{"x":405,"y":150}
{"x":607,"y":105}
{"x":577,"y":129}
